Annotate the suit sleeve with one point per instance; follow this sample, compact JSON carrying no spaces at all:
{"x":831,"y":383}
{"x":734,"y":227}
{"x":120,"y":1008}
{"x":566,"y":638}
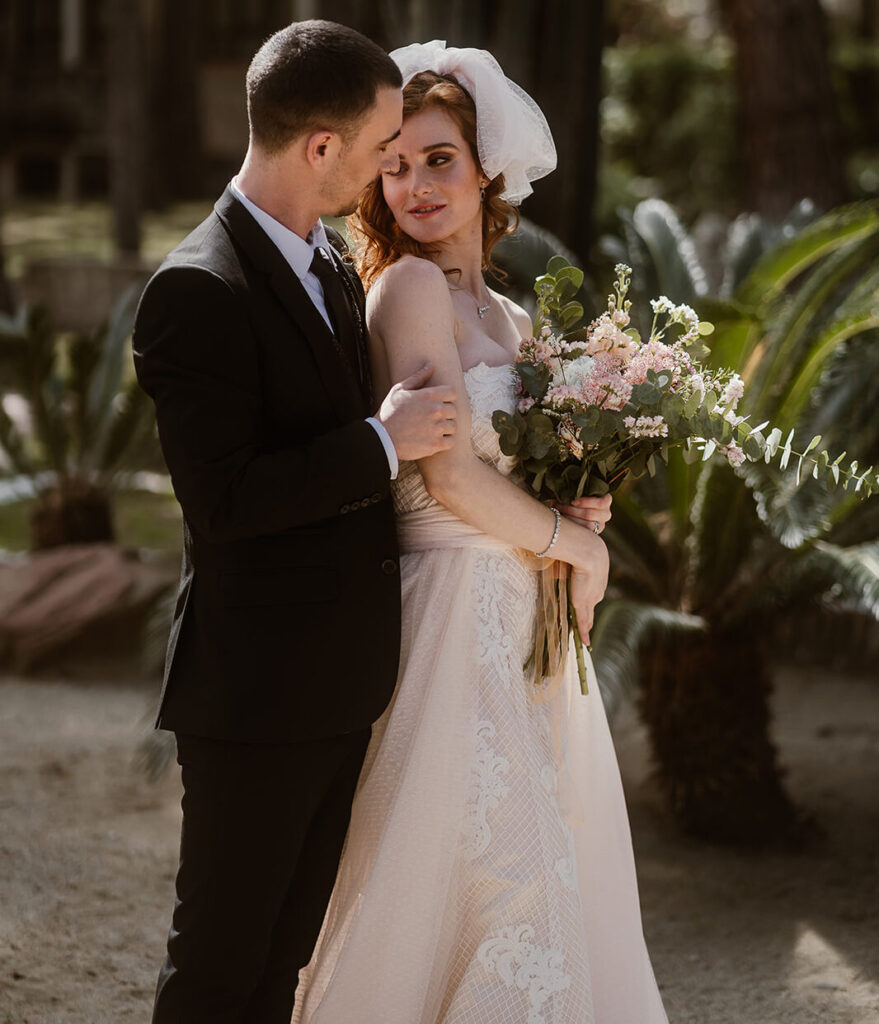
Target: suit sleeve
{"x":196,"y":356}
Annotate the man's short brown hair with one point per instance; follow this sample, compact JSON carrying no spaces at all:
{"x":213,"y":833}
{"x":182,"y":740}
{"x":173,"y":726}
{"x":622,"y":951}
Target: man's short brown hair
{"x":314,"y":75}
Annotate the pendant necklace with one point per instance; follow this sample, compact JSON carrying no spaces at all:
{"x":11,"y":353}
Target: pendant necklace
{"x":480,"y":310}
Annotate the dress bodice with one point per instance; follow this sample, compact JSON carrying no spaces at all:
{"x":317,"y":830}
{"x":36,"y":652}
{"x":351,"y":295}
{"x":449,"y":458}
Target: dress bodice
{"x":488,"y":388}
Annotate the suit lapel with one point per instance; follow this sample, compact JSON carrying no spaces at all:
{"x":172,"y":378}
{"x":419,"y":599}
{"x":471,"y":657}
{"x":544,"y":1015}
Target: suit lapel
{"x":337,"y":376}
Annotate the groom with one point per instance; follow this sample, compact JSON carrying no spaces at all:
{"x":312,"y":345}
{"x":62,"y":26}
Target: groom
{"x":285,"y":641}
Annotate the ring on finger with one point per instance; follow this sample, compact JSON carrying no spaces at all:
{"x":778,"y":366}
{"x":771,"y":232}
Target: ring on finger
{"x":596,"y":527}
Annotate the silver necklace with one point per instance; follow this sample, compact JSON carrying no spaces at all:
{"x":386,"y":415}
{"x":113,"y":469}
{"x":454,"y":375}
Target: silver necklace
{"x":480,"y":310}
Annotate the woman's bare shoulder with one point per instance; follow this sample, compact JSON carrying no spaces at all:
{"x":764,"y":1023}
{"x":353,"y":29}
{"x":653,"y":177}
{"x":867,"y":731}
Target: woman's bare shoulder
{"x":518,"y":315}
{"x":408,"y":272}
{"x":411,"y":284}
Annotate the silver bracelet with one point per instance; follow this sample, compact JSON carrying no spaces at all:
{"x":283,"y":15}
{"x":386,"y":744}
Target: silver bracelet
{"x":555,"y":535}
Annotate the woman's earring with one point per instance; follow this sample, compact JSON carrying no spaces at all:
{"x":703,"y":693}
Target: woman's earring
{"x":482,"y":192}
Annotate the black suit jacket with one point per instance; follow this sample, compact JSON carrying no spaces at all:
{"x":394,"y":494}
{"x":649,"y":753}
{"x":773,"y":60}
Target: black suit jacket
{"x":287,"y":623}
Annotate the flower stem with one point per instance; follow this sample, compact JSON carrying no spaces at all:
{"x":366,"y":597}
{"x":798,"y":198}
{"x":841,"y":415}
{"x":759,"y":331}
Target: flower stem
{"x":578,"y":643}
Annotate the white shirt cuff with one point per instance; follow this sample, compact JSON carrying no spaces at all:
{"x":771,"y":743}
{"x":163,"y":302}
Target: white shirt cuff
{"x":387,"y":444}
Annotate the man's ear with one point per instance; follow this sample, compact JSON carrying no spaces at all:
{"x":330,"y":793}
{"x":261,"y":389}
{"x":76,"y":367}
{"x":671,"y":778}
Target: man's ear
{"x":321,"y":146}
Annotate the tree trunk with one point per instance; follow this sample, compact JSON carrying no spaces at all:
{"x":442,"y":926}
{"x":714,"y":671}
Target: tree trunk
{"x":127,"y":101}
{"x":176,"y":158}
{"x":6,"y":297}
{"x":74,"y":512}
{"x":789,"y":127}
{"x":706,"y":704}
{"x":566,"y":36}
{"x":865,"y":81}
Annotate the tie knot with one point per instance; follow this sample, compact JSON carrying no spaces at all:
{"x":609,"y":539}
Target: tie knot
{"x":322,"y":263}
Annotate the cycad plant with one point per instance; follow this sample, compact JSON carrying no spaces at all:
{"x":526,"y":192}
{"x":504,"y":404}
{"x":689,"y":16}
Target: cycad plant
{"x":704,"y":556}
{"x":73,"y":423}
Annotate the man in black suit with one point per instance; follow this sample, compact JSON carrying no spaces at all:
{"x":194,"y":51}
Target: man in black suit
{"x":285,"y":639}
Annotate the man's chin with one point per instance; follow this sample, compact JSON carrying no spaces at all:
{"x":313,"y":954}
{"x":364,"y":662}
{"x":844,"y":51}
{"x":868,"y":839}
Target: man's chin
{"x":346,"y":211}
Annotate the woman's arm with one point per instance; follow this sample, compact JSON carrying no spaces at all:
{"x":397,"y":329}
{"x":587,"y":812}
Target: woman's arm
{"x":410,"y":316}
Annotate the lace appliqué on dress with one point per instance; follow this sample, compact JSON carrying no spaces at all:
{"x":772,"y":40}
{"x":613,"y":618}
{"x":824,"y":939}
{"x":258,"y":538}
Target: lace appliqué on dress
{"x":495,"y":645}
{"x":534,"y":969}
{"x":487,"y":787}
{"x":565,"y":866}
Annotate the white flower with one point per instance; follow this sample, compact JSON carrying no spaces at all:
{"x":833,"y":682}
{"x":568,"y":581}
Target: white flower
{"x":733,"y":391}
{"x":573,"y":372}
{"x":697,"y":383}
{"x":661,"y":305}
{"x":577,"y":370}
{"x":686,"y":317}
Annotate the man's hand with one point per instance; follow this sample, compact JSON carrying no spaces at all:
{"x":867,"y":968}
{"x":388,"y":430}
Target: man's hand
{"x":589,"y":512}
{"x":419,"y":420}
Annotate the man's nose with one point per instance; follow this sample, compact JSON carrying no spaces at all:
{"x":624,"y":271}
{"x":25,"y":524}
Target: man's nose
{"x":391,"y":159}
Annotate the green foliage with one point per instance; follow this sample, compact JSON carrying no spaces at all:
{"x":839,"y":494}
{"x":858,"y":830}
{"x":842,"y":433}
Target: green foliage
{"x":668,"y":122}
{"x":86,"y":417}
{"x":667,"y":127}
{"x":729,"y":545}
{"x":521,"y":256}
{"x":611,"y":444}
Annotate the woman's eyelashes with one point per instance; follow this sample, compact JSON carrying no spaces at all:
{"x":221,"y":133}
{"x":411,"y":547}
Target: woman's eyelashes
{"x":436,"y":160}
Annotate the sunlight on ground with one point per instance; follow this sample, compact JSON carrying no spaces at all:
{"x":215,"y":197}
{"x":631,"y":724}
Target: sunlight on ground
{"x":836,"y":985}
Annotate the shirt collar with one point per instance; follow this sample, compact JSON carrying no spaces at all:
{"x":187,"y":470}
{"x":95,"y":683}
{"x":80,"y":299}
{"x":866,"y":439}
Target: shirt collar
{"x":297,"y":251}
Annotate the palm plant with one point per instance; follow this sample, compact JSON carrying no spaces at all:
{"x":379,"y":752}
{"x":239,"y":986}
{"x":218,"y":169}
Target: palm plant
{"x":73,"y":424}
{"x":705,"y":557}
{"x":520,"y":257}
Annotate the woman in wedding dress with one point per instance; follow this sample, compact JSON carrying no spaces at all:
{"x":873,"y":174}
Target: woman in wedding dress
{"x":488,"y":875}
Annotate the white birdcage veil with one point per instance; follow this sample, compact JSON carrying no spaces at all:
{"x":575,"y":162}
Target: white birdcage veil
{"x":512,"y":136}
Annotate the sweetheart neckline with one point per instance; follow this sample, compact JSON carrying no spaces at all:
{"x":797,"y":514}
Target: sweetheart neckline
{"x":488,"y":366}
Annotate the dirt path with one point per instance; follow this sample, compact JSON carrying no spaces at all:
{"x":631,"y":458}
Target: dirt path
{"x":88,"y":852}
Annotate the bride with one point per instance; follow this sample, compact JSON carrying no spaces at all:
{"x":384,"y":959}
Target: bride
{"x":488,"y":873}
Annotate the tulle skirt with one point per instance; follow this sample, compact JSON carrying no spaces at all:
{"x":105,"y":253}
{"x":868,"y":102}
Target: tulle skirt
{"x":488,"y":876}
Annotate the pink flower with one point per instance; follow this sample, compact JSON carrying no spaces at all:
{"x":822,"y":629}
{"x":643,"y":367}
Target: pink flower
{"x":646,"y":426}
{"x":734,"y":455}
{"x":605,"y":336}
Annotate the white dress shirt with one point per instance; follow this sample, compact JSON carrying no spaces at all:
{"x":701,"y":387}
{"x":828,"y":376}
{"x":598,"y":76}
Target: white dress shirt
{"x":299,"y":252}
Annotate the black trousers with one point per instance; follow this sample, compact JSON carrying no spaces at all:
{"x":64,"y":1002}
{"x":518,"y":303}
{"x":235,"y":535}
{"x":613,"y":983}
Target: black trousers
{"x":263,"y":828}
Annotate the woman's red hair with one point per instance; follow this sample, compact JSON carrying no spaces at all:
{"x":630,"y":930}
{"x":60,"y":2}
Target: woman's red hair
{"x":380,"y":241}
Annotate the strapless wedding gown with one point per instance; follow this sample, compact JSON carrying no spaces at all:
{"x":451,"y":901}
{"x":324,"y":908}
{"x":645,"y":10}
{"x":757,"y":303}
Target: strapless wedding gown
{"x":487,"y":876}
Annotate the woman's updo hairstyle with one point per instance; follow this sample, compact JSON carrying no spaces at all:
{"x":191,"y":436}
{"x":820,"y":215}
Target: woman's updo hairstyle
{"x":380,"y":241}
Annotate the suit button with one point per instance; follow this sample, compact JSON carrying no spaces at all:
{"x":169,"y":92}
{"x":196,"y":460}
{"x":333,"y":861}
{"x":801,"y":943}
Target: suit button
{"x":389,"y":566}
{"x":344,"y":509}
{"x":376,"y":497}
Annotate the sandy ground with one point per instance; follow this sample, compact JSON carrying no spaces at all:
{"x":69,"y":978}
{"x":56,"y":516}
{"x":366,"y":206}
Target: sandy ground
{"x":88,"y":852}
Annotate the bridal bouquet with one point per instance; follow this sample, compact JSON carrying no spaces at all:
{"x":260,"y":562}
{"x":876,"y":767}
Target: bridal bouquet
{"x":599,"y":404}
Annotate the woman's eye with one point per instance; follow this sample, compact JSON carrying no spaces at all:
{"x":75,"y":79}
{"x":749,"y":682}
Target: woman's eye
{"x":439,"y":160}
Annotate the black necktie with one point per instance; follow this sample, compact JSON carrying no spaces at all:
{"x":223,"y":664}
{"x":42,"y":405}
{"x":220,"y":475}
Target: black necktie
{"x":339,"y":308}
